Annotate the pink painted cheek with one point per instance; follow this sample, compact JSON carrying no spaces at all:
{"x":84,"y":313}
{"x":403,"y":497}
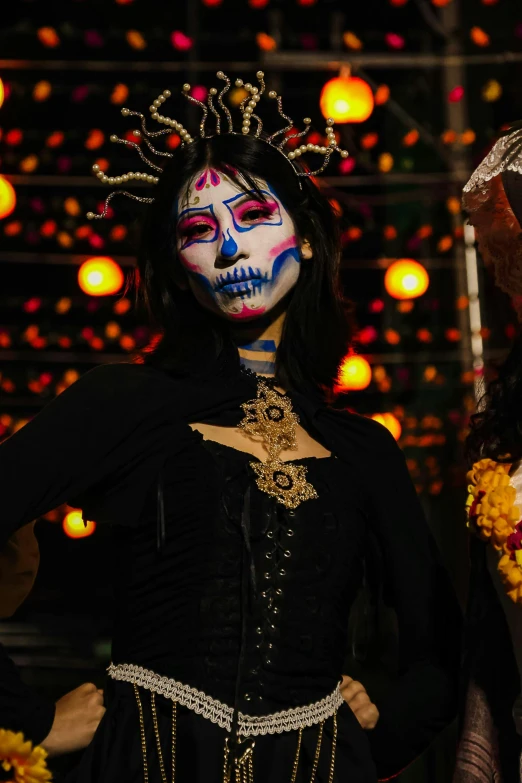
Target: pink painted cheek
{"x":286,"y":244}
{"x":188,"y":264}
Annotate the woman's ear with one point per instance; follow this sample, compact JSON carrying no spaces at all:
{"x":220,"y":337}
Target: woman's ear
{"x":306,"y":250}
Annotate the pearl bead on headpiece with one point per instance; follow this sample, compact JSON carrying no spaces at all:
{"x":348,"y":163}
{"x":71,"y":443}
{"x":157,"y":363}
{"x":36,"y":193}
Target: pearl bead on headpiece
{"x":248,"y":112}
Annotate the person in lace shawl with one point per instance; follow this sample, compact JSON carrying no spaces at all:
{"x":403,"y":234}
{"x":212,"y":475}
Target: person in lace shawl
{"x":491,"y":742}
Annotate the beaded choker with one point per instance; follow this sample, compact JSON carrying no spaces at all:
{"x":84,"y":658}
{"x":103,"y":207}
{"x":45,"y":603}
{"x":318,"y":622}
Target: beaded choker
{"x":269,"y":418}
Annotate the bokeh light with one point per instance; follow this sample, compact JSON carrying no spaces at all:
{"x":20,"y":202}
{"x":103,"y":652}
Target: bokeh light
{"x":406,"y":279}
{"x":100,"y":276}
{"x":391,"y":423}
{"x":74,"y":527}
{"x":347,"y":99}
{"x":355,"y":374}
{"x":7,"y":198}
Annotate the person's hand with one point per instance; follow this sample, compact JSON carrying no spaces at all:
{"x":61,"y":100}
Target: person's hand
{"x":77,"y":717}
{"x":354,"y":694}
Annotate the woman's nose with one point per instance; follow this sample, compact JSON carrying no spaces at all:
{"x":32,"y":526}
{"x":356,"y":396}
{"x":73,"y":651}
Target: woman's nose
{"x":229,"y":250}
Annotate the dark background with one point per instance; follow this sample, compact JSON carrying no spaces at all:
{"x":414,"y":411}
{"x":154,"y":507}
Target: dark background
{"x":62,"y":103}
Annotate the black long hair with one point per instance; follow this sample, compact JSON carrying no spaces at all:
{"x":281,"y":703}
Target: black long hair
{"x":317,"y":329}
{"x":496,"y":430}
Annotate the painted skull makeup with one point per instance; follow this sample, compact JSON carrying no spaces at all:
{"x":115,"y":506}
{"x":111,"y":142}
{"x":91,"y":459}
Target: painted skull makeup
{"x":241,"y":255}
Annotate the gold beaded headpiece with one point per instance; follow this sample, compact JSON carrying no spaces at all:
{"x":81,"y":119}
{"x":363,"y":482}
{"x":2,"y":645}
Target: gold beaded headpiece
{"x":248,"y":106}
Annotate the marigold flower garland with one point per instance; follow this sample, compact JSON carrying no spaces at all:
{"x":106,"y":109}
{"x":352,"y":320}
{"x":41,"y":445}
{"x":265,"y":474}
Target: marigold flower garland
{"x":494,"y":516}
{"x":23,"y":762}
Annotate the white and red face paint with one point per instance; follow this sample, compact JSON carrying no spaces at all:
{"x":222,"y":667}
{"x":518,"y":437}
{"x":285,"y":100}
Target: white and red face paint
{"x":241,"y":255}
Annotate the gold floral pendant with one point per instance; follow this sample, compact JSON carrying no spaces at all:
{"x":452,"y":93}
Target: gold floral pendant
{"x":270,"y":419}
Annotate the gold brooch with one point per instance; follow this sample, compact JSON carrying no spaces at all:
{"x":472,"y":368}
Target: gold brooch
{"x":270,"y":418}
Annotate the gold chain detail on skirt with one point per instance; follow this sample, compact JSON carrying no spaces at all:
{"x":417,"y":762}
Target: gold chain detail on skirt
{"x":157,"y":735}
{"x":142,"y":735}
{"x":297,"y":754}
{"x":242,"y":768}
{"x":174,"y":738}
{"x":334,"y":746}
{"x":317,"y":751}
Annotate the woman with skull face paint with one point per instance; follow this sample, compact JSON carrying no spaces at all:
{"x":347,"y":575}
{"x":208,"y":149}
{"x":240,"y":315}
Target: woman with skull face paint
{"x":245,"y":509}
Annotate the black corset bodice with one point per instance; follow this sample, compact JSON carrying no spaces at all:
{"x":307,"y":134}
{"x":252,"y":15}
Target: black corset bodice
{"x":245,"y":593}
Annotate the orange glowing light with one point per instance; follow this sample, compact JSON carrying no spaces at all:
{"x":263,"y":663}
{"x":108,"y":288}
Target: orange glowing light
{"x":382,"y":94}
{"x":351,"y":41}
{"x":265,"y":42}
{"x":491,"y":91}
{"x":48,"y":228}
{"x":424,"y":232}
{"x":449,"y":137}
{"x":347,"y":99}
{"x":405,"y":305}
{"x":95,"y":139}
{"x":122,"y":306}
{"x":406,"y":279}
{"x":118,"y":233}
{"x":74,"y":526}
{"x":355,"y":374}
{"x":441,"y":3}
{"x":391,"y":423}
{"x":55,"y":139}
{"x":444,"y":244}
{"x":385,"y":162}
{"x":468,"y":137}
{"x":479,"y":37}
{"x":2,"y":92}
{"x":63,"y":305}
{"x":354,"y":233}
{"x":390,"y":232}
{"x":41,"y":91}
{"x":64,"y":239}
{"x":127,"y":342}
{"x":13,"y":228}
{"x":72,"y":206}
{"x":112,"y":330}
{"x":411,"y":138}
{"x":453,"y":205}
{"x":7,"y":197}
{"x":48,"y":37}
{"x":120,"y":93}
{"x":135,"y":39}
{"x":29,"y":164}
{"x":392,"y":336}
{"x":369,"y":140}
{"x":100,"y":276}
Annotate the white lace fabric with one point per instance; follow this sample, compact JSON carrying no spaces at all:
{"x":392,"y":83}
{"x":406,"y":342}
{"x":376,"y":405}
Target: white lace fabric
{"x":221,"y":714}
{"x":495,"y":162}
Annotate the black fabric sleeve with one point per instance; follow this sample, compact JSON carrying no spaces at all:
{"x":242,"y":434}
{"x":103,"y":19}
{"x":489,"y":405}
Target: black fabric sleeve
{"x":423,"y":699}
{"x":110,"y":429}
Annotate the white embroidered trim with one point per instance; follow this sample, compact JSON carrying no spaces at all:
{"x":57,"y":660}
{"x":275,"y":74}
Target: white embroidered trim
{"x":217,"y":712}
{"x":494,"y":163}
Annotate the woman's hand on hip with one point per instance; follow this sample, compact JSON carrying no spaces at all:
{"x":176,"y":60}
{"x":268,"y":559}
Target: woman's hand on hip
{"x":354,"y":694}
{"x":77,"y":717}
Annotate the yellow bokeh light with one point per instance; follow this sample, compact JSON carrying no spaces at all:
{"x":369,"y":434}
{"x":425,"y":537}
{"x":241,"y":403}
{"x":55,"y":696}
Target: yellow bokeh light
{"x":391,"y":423}
{"x":100,"y":276}
{"x":7,"y":198}
{"x":74,"y":526}
{"x":347,"y":99}
{"x":355,"y":373}
{"x":406,"y":279}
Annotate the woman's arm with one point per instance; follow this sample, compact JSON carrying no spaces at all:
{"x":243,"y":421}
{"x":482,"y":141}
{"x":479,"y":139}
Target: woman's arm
{"x":110,"y":425}
{"x":19,"y":560}
{"x":424,"y":698}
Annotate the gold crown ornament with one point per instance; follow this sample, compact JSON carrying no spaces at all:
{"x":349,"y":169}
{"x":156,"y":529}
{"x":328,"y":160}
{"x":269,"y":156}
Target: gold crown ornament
{"x":214,"y":109}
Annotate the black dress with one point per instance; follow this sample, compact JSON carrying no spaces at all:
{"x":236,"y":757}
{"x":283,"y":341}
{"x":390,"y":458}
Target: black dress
{"x":219,"y":588}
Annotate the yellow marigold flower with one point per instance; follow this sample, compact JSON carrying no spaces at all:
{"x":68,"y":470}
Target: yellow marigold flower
{"x":25,"y":763}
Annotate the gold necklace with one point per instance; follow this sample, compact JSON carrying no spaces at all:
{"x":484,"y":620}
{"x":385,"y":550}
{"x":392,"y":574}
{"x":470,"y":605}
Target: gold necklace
{"x":270,"y":418}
